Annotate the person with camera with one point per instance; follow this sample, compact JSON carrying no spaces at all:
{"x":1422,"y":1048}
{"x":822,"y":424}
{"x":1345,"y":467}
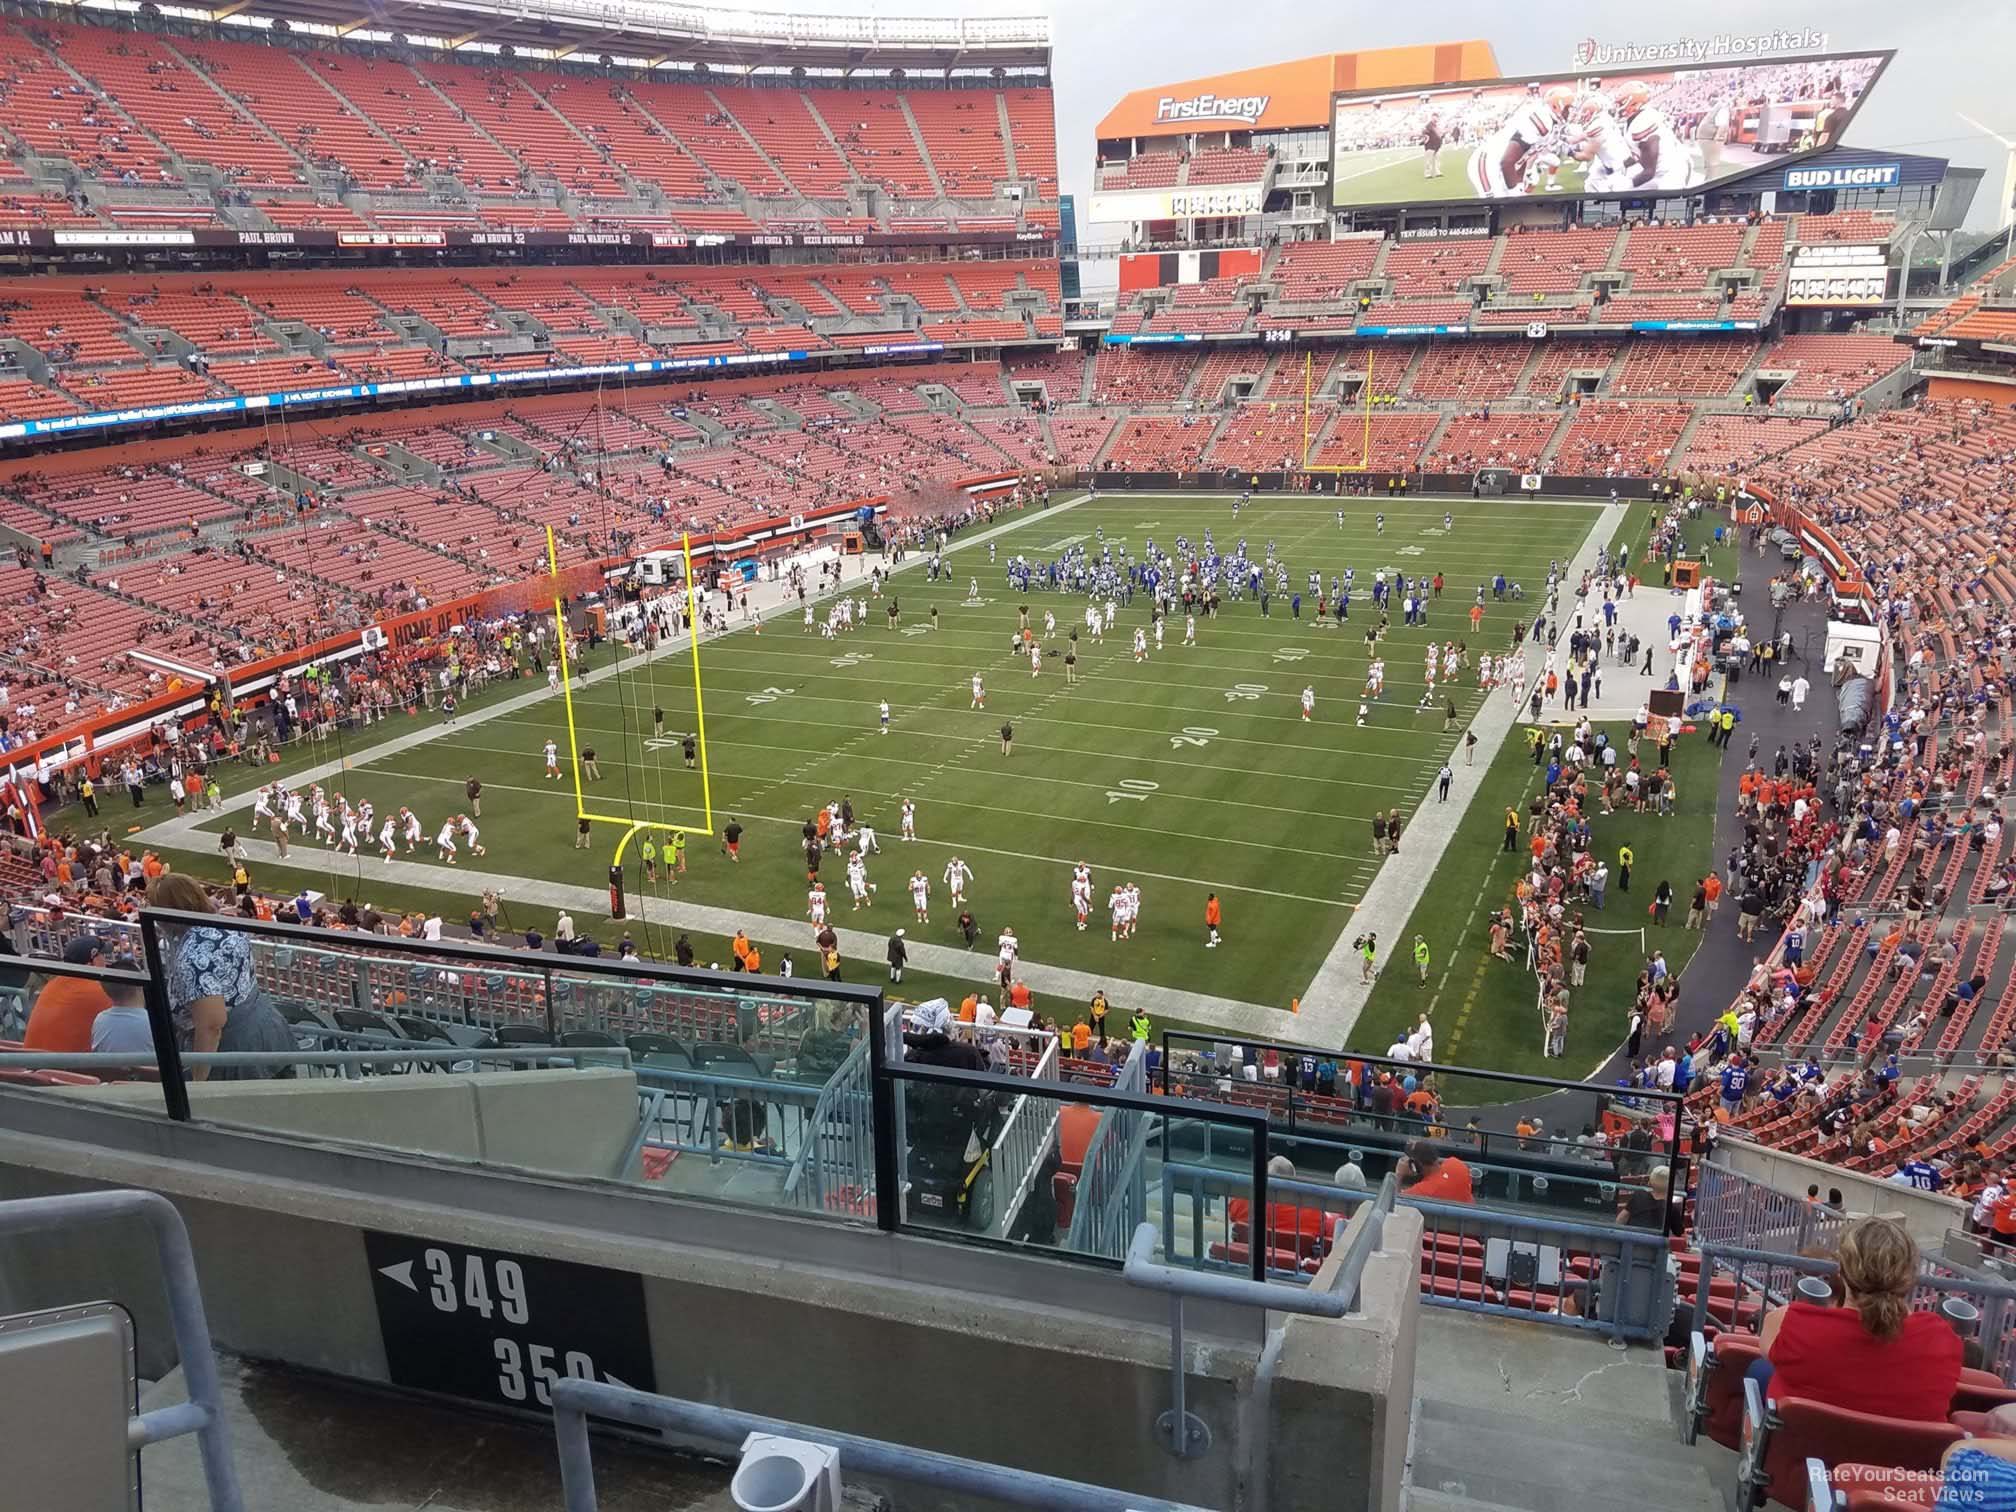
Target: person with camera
{"x":950,"y":1128}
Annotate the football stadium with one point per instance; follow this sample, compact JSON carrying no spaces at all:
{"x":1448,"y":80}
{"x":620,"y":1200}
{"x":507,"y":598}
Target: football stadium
{"x":701,"y":726}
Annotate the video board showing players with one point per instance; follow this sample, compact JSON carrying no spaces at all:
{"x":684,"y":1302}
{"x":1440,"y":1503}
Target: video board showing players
{"x":1618,"y":134}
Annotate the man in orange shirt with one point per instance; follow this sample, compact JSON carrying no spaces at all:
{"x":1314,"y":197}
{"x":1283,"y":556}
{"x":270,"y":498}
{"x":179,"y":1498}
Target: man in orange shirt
{"x":1424,"y":1172}
{"x":1712,"y":885}
{"x":1212,"y":916}
{"x":60,"y":1021}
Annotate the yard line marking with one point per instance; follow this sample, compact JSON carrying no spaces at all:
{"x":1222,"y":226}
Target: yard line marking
{"x":944,"y":845}
{"x":972,"y":743}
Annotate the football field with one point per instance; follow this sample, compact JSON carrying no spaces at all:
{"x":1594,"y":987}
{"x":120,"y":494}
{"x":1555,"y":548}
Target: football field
{"x":1392,"y":176}
{"x":1187,"y":773}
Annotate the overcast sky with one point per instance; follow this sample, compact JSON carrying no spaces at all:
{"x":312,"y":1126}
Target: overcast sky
{"x":1951,"y":54}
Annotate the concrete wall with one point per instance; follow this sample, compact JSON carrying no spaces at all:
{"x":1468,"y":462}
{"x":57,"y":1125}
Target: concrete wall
{"x":1926,"y":1214}
{"x":569,"y":1123}
{"x":1342,"y":1394}
{"x":1016,"y":1359}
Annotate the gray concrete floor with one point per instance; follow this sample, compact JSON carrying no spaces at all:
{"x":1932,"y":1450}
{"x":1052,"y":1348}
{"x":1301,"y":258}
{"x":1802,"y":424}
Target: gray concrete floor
{"x":308,"y":1443}
{"x":1514,"y":1415}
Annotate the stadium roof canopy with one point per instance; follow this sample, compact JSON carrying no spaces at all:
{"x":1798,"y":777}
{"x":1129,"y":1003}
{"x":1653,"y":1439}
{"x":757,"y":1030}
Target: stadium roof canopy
{"x":727,"y":40}
{"x":1290,"y":96}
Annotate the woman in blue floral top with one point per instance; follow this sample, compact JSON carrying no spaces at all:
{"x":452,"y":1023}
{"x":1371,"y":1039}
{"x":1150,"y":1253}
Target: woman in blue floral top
{"x":212,"y":996}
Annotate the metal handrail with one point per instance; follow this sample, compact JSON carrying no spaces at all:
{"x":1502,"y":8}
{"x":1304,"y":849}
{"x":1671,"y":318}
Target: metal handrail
{"x":1181,"y":1431}
{"x":203,"y":1414}
{"x":95,"y":1060}
{"x":574,"y":1401}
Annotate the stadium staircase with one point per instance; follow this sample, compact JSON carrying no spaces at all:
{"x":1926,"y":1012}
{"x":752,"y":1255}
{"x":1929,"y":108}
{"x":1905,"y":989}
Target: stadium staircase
{"x":755,"y":146}
{"x":1694,"y":418}
{"x":923,"y":151}
{"x":1007,"y":136}
{"x":1521,"y":386}
{"x":1515,"y":1418}
{"x":1615,"y":262}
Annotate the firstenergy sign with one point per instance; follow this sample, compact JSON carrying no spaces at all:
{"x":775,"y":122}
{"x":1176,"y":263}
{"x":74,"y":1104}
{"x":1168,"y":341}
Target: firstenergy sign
{"x":1245,"y":109}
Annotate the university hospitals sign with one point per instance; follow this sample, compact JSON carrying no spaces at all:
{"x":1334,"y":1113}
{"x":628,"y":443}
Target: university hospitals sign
{"x":1695,"y":51}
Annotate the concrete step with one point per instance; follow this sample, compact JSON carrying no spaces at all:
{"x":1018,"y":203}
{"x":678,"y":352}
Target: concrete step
{"x":1538,"y":1462}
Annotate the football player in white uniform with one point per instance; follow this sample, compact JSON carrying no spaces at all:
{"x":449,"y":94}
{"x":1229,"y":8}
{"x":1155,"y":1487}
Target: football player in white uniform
{"x":815,"y":903}
{"x":957,"y":875}
{"x":920,"y":896}
{"x":1664,"y":161}
{"x":1599,"y":141}
{"x":909,"y":820}
{"x":1500,"y":166}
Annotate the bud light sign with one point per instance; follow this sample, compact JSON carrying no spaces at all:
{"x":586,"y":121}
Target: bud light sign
{"x":1844,"y":176}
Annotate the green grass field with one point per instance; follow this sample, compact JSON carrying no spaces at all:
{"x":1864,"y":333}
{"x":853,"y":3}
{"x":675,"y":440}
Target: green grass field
{"x":1392,"y":176}
{"x":1190,"y":773}
{"x":1486,"y":1012}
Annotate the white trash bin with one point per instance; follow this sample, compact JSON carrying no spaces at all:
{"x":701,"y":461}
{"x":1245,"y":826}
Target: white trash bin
{"x":786,"y":1475}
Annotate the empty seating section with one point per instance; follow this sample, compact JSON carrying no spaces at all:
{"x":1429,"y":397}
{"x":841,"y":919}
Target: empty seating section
{"x":1151,"y":170}
{"x":1833,"y":366}
{"x":1767,"y":252}
{"x":151,"y":83}
{"x":400,"y":104}
{"x":64,"y":326}
{"x":1679,"y":257}
{"x":270,"y":375}
{"x":1705,"y":367}
{"x":1322,"y":272}
{"x":1620,"y":438}
{"x":1873,"y":227}
{"x":1507,"y":438}
{"x":1736,"y":443}
{"x":214,"y":321}
{"x":503,"y":105}
{"x":1032,"y":131}
{"x":54,"y":116}
{"x":281,"y":92}
{"x":1468,"y":370}
{"x":1554,"y":262}
{"x":1260,"y":437}
{"x":873,"y":132}
{"x":1134,"y":375}
{"x":1159,"y":443}
{"x":43,"y":210}
{"x":782,"y":125}
{"x":128,"y":502}
{"x":136,"y":388}
{"x":1625,"y":308}
{"x":1238,"y":165}
{"x":698,"y":121}
{"x":1079,"y":438}
{"x":1220,"y":366}
{"x":1388,"y":443}
{"x":20,"y":399}
{"x":1062,"y":374}
{"x":962,"y":132}
{"x":1436,"y":267}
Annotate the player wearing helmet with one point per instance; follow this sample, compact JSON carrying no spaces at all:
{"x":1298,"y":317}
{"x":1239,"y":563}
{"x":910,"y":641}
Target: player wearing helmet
{"x":1517,"y":151}
{"x":1664,"y":161}
{"x":1597,"y":139}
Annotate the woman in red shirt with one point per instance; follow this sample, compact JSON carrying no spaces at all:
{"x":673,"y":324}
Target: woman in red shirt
{"x":1872,"y":1354}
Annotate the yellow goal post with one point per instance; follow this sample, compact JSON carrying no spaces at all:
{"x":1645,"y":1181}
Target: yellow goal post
{"x":630,"y":824}
{"x":1311,"y":431}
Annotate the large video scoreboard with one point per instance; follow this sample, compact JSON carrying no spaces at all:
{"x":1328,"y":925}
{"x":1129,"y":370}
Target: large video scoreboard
{"x":1624,"y":133}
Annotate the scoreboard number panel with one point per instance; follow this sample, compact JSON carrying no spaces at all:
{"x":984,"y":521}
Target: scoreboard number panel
{"x":502,"y":1328}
